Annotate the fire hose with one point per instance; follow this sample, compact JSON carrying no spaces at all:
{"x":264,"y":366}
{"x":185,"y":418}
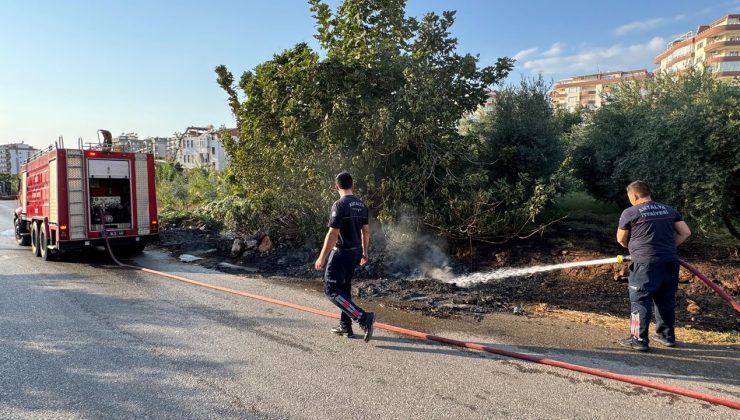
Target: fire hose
{"x":417,"y":334}
{"x":720,"y":291}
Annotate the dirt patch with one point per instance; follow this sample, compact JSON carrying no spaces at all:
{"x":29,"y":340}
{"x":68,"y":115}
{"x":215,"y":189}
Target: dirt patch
{"x":593,"y":294}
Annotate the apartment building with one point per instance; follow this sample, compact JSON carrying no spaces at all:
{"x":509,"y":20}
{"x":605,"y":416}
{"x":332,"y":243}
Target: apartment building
{"x":488,"y":106}
{"x":13,"y":155}
{"x":714,"y":47}
{"x":129,"y":142}
{"x":590,"y":91}
{"x":158,"y":146}
{"x":200,"y":146}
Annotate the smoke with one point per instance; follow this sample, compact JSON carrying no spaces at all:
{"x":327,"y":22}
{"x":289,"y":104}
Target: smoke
{"x":413,"y":255}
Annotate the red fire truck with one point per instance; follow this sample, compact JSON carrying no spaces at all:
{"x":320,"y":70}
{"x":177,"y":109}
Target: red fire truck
{"x":67,"y":197}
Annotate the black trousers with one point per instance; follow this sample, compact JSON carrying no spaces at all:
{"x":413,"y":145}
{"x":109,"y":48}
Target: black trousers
{"x":338,"y":283}
{"x":653,"y":284}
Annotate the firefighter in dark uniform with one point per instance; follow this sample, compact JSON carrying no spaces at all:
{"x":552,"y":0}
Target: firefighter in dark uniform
{"x":652,"y":231}
{"x":346,"y":246}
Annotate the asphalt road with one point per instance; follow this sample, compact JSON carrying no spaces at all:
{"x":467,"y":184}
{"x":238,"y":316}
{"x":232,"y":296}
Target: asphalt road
{"x":83,"y":339}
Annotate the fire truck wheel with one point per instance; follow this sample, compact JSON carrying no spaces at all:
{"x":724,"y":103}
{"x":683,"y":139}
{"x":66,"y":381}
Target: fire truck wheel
{"x":35,"y":239}
{"x":44,"y":251}
{"x":20,"y":239}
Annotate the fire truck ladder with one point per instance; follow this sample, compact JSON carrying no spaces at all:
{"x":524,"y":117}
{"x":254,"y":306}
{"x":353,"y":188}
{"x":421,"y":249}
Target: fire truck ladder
{"x":76,"y":194}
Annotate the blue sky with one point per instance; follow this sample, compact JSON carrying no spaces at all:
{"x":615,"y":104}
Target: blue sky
{"x":71,"y":67}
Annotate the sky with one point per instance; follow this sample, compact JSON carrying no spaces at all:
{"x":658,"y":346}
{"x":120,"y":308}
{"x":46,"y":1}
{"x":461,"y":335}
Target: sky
{"x":71,"y":67}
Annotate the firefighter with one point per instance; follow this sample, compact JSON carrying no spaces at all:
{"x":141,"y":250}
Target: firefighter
{"x":652,"y":232}
{"x":346,"y":245}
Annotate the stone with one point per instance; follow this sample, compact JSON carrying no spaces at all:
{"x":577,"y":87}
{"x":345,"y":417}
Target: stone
{"x":237,"y":248}
{"x":189,"y":258}
{"x":251,"y":243}
{"x":265,"y":245}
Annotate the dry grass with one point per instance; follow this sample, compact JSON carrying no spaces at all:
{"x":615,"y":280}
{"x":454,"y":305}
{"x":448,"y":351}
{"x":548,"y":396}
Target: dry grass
{"x":686,"y":335}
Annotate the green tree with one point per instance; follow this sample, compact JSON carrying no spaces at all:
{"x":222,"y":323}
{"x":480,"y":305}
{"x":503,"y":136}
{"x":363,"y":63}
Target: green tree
{"x":384,"y":104}
{"x":516,"y":163}
{"x":10,"y":184}
{"x":678,"y":133}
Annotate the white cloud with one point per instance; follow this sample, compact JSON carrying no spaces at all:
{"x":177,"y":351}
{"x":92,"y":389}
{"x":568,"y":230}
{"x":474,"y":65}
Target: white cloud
{"x":556,"y":49}
{"x":523,"y":53}
{"x":589,"y":59}
{"x":644,"y":25}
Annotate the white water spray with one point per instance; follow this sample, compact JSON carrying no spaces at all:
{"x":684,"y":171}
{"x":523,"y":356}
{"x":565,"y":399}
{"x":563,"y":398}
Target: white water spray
{"x":502,"y":273}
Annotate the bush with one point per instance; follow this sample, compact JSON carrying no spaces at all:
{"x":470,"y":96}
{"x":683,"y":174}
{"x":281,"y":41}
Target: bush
{"x":679,"y":134}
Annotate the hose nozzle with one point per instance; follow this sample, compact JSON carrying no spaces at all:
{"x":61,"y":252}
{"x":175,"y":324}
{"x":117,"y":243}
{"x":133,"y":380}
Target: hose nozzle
{"x":623,"y":258}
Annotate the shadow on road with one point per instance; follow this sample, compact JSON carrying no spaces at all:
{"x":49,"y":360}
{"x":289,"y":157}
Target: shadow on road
{"x":709,"y":364}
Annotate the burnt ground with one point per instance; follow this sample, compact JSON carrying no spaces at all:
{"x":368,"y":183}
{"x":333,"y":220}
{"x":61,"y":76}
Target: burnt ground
{"x":400,"y":283}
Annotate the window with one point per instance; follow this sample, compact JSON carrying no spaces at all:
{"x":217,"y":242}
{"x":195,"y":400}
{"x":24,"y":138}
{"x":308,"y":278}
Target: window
{"x":701,"y":44}
{"x":572,"y":90}
{"x":732,"y":54}
{"x":213,"y":151}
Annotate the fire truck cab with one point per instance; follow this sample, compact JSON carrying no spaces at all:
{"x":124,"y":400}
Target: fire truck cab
{"x":67,"y":198}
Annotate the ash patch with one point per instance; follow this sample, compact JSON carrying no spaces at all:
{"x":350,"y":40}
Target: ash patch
{"x":402,"y":275}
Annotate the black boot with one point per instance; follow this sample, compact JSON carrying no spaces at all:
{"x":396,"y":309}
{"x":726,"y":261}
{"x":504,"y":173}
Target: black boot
{"x":344,"y":330}
{"x":367,"y":323}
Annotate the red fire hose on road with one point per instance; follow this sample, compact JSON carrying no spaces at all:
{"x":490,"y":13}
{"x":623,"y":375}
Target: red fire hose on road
{"x":536,"y":359}
{"x":720,"y":291}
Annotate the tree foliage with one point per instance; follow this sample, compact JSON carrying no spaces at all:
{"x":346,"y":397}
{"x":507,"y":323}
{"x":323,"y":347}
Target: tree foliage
{"x":9,"y":184}
{"x":678,"y":133}
{"x":516,"y":163}
{"x":384,"y":103}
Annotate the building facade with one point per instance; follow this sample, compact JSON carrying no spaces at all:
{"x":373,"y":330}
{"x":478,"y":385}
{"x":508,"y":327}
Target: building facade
{"x":590,"y":91}
{"x":13,"y":155}
{"x":200,"y":146}
{"x":714,"y":47}
{"x":158,"y":146}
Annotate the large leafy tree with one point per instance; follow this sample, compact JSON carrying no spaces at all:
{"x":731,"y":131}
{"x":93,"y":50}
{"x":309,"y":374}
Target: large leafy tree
{"x":515,"y":158}
{"x":384,"y":104}
{"x":680,"y":134}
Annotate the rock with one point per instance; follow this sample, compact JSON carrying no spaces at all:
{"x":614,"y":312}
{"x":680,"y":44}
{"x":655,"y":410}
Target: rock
{"x":692,"y":307}
{"x":265,"y":244}
{"x":518,"y":310}
{"x":238,"y":267}
{"x":237,"y":248}
{"x":189,"y":258}
{"x":251,"y":243}
{"x":469,"y":300}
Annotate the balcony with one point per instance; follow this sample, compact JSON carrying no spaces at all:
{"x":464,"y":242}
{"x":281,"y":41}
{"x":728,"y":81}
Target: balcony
{"x":722,"y":59}
{"x":720,"y":45}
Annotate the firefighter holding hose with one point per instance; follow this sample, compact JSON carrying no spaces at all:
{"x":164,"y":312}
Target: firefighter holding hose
{"x":346,"y":245}
{"x":651,"y":231}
